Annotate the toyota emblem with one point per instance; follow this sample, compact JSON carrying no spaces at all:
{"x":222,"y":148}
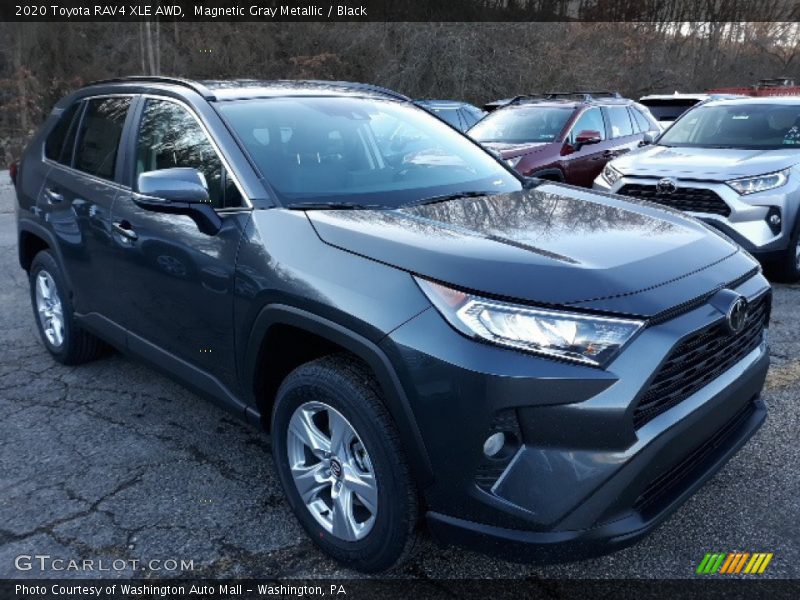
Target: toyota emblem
{"x":666,"y":186}
{"x":737,"y":315}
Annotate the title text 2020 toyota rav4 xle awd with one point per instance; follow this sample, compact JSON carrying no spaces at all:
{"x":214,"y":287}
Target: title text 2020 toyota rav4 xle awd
{"x":733,"y":163}
{"x":533,"y":368}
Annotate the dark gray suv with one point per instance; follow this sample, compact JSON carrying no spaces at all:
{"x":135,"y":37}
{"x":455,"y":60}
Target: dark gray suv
{"x":530,"y":368}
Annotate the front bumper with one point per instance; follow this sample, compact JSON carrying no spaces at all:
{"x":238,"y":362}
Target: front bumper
{"x":747,"y":222}
{"x":583,"y":480}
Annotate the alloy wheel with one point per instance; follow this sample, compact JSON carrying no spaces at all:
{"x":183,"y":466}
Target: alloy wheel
{"x":332,"y":471}
{"x":49,"y":309}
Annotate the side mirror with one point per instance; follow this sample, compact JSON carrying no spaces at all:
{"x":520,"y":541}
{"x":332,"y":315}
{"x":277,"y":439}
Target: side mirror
{"x":178,"y":191}
{"x":179,"y":184}
{"x":648,"y":138}
{"x":587,"y":136}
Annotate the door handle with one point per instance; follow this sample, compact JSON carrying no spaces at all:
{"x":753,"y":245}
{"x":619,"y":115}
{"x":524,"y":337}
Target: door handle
{"x":53,"y":197}
{"x":124,"y":229}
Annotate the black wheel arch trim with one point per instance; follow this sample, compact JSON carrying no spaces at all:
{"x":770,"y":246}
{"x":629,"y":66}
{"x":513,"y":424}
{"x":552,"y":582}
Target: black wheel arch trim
{"x":26,"y":226}
{"x":395,"y":398}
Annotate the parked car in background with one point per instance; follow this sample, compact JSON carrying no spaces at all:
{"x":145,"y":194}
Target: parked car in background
{"x":460,"y":115}
{"x":565,"y":136}
{"x":732,"y":163}
{"x":666,"y":108}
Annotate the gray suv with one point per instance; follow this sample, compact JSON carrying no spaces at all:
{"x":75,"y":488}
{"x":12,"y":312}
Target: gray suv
{"x":732,"y":163}
{"x":525,"y":367}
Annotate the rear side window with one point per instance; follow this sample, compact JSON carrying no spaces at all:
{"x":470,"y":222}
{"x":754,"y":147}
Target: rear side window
{"x":620,"y":121}
{"x":58,"y":146}
{"x":100,"y":132}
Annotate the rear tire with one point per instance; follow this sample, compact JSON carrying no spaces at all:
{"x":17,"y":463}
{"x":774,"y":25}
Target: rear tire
{"x":54,"y":316}
{"x":377,"y":528}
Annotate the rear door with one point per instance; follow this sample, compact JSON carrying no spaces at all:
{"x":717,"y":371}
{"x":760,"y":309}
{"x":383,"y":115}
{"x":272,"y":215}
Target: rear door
{"x":79,"y":192}
{"x":584,"y":163}
{"x":176,"y":282}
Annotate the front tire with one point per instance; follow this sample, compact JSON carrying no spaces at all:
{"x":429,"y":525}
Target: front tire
{"x":341,"y":465}
{"x":52,"y":310}
{"x":787,"y":268}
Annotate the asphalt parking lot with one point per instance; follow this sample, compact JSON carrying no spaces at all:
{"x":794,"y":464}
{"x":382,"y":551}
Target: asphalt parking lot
{"x":113,"y":461}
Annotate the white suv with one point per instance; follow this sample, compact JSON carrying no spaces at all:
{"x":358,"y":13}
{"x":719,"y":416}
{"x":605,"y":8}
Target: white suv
{"x":732,"y":163}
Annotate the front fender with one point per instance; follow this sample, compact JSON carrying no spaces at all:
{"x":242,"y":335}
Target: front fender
{"x":394,"y":396}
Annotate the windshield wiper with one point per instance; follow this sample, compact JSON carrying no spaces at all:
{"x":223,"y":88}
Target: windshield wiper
{"x":446,"y":197}
{"x":333,"y":206}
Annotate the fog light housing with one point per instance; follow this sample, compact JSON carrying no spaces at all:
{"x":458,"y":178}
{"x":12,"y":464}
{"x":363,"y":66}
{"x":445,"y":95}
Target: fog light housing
{"x":494,"y":444}
{"x":774,"y":219}
{"x":502,"y":442}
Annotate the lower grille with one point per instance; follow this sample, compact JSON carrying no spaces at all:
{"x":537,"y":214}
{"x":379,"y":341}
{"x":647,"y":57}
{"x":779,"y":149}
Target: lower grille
{"x":700,"y":359}
{"x":683,"y":198}
{"x":670,"y":482}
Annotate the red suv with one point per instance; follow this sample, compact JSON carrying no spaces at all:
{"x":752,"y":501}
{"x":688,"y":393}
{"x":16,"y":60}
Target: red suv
{"x":565,"y":136}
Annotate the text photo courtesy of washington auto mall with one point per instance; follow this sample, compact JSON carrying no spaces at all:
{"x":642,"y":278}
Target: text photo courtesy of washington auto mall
{"x":387,"y":299}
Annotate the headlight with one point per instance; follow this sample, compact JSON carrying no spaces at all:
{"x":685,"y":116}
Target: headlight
{"x":513,"y":162}
{"x":761,"y":183}
{"x":610,"y":174}
{"x":570,"y":336}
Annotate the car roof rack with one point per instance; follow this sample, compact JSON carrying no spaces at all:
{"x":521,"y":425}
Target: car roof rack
{"x":209,"y":94}
{"x":584,"y":95}
{"x":367,"y":87}
{"x":194,"y":85}
{"x":527,"y":98}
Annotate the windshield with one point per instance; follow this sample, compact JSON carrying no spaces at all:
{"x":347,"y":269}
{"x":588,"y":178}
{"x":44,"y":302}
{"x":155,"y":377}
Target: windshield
{"x":520,"y":125}
{"x":669,"y":110}
{"x":360,"y":152}
{"x":748,"y":126}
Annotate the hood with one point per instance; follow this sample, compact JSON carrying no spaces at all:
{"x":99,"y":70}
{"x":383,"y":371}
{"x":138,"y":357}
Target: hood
{"x":508,"y":150}
{"x":717,"y":164}
{"x":554,"y":245}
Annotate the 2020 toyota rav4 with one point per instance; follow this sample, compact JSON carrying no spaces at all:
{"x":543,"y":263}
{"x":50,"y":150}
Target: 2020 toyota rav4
{"x":531,"y":368}
{"x":567,"y":136}
{"x":733,"y":163}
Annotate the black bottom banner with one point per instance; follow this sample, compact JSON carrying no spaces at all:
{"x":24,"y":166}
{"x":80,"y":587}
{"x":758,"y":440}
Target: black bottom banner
{"x":246,"y":589}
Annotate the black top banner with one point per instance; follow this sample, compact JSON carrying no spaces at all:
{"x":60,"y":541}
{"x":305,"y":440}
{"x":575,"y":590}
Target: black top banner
{"x":401,"y":10}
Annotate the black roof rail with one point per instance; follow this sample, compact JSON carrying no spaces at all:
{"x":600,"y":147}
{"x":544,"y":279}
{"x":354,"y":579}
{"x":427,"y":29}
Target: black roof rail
{"x":367,"y":87}
{"x":194,"y":85}
{"x":531,"y":97}
{"x":584,"y":94}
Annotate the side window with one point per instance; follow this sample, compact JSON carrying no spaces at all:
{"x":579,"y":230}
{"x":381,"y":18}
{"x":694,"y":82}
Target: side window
{"x":59,"y":143}
{"x":591,"y":120}
{"x":98,"y":139}
{"x":169,"y":136}
{"x":641,"y":120}
{"x":620,"y":121}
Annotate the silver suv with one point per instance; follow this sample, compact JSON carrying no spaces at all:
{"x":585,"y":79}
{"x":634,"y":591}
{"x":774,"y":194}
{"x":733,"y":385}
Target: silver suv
{"x":733,"y":164}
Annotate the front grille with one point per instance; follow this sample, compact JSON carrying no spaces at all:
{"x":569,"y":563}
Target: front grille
{"x":684,"y":198}
{"x":700,"y":359}
{"x":672,"y":481}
